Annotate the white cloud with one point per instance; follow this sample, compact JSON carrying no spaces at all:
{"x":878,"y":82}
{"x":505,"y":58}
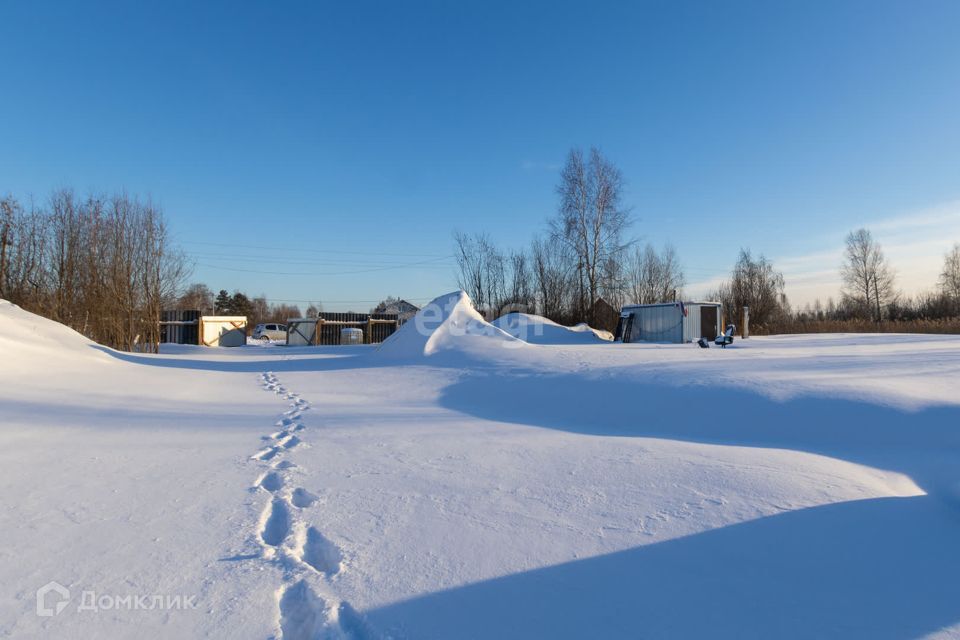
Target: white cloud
{"x":914,"y":244}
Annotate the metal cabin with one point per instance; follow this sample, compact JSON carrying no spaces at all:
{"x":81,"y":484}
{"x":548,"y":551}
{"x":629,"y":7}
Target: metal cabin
{"x":675,"y":322}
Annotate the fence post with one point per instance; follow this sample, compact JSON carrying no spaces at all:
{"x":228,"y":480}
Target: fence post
{"x":745,"y":328}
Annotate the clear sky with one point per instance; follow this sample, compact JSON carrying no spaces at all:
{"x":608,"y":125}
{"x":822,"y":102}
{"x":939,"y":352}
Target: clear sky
{"x":326,"y":151}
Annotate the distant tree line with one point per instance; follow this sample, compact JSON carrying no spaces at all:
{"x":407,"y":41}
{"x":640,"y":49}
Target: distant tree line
{"x":582,"y":255}
{"x":257,"y":309}
{"x":103,"y":265}
{"x":868,"y":302}
{"x":585,"y":254}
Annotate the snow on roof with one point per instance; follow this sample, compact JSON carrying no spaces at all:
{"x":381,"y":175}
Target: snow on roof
{"x":674,"y":304}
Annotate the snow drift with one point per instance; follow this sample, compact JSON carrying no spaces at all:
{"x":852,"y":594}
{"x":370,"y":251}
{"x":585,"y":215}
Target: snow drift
{"x":448,"y":323}
{"x":539,"y":330}
{"x":30,"y":342}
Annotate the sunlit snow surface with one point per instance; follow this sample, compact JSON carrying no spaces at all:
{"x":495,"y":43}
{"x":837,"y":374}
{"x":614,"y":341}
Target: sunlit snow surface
{"x":461,"y":482}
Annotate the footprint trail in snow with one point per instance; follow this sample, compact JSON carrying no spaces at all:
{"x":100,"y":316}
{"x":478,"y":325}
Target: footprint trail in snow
{"x":308,"y":606}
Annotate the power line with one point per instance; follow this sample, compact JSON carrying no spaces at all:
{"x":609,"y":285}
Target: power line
{"x":409,"y":265}
{"x":323,"y":301}
{"x":316,"y":250}
{"x":220,"y":257}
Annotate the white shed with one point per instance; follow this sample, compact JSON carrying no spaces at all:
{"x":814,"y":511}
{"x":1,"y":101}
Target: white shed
{"x":223,"y":331}
{"x":675,"y":322}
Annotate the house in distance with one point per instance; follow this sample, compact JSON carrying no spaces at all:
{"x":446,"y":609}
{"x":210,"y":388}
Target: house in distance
{"x":403,"y":309}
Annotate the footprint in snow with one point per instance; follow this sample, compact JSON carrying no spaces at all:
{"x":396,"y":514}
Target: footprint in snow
{"x":302,"y":498}
{"x":266,"y":454}
{"x":289,"y":442}
{"x":301,"y":612}
{"x":276,"y":523}
{"x":321,"y":554}
{"x":272,"y":482}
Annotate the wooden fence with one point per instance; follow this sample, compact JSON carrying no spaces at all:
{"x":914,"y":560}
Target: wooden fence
{"x":325,"y":328}
{"x":180,"y":326}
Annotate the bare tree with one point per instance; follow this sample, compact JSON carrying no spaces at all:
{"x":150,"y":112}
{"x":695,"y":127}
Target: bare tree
{"x":105,"y":267}
{"x":754,"y":283}
{"x":950,"y":276}
{"x":591,"y":221}
{"x":654,"y":277}
{"x":7,"y":218}
{"x":519,"y":293}
{"x":471,"y":270}
{"x":25,"y":233}
{"x":481,"y":271}
{"x":283,"y":312}
{"x":552,"y":277}
{"x":867,"y":277}
{"x":261,"y":310}
{"x":197,"y":296}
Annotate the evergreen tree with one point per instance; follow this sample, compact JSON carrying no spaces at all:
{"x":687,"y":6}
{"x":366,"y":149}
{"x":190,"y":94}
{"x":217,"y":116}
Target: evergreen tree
{"x":223,"y":305}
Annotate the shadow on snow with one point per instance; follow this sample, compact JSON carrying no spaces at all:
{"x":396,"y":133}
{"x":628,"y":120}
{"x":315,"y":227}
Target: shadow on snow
{"x":882,"y":568}
{"x":878,"y":568}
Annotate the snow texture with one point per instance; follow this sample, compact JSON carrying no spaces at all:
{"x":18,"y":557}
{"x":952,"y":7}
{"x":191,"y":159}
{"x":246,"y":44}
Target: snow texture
{"x":459,"y":482}
{"x":539,"y":330}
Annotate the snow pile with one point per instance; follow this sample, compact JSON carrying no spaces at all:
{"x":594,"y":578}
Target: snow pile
{"x":539,"y":330}
{"x":31,"y":341}
{"x":448,"y":323}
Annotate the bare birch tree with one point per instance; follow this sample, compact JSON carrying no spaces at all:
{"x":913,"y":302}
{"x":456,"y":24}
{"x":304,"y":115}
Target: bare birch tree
{"x":950,"y":276}
{"x":591,"y":221}
{"x":867,"y":277}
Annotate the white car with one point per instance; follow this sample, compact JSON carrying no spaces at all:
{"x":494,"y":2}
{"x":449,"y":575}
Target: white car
{"x":268,"y":332}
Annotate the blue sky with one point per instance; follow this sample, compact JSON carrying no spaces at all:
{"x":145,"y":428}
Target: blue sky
{"x":326,"y":151}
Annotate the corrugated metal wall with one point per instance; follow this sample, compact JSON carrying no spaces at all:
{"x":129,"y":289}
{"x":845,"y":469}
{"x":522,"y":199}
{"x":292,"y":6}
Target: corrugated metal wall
{"x":667,"y":323}
{"x":691,"y":325}
{"x":661,"y":323}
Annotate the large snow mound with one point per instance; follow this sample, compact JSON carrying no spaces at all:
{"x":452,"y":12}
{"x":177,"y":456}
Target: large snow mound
{"x":539,"y":330}
{"x":449,"y":323}
{"x":31,"y":341}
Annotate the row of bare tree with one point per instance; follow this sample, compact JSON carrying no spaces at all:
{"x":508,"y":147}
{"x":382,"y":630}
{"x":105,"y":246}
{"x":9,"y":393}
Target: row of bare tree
{"x":103,"y":265}
{"x":868,"y":295}
{"x":869,"y":299}
{"x":583,"y":255}
{"x":870,"y":291}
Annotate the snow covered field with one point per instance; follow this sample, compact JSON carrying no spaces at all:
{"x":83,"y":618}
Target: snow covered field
{"x":461,"y":482}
